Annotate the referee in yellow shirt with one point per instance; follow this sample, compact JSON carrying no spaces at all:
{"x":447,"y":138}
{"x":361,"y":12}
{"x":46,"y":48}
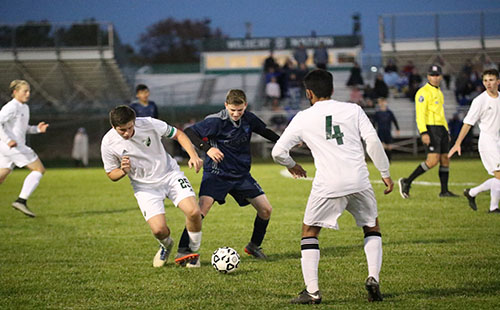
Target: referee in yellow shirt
{"x":433,"y":128}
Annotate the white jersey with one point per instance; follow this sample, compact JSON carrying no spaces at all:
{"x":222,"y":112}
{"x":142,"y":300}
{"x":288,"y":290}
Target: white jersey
{"x":14,"y":123}
{"x":333,"y":131}
{"x":485,"y":111}
{"x":149,"y":161}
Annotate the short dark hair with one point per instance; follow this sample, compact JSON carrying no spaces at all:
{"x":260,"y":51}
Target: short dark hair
{"x":121,"y":115}
{"x":320,"y":82}
{"x":140,"y":87}
{"x":236,"y":97}
{"x":490,"y":72}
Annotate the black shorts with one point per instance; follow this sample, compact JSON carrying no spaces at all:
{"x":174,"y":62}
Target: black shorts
{"x":440,"y":140}
{"x":241,"y":189}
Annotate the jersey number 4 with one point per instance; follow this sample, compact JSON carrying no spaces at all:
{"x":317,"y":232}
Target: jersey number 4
{"x":333,"y":131}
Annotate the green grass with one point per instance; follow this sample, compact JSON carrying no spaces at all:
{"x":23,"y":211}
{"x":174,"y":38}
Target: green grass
{"x":89,"y":248}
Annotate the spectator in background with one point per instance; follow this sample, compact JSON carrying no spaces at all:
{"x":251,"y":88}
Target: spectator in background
{"x":144,"y":107}
{"x":300,"y":54}
{"x":455,"y":124}
{"x":294,"y":90}
{"x":80,"y":152}
{"x":414,"y":81}
{"x":408,"y":68}
{"x":270,"y":62}
{"x":446,"y":71}
{"x":273,"y":92}
{"x":356,"y":96}
{"x":384,"y":118}
{"x":320,"y":56}
{"x":390,"y":74}
{"x":380,"y":89}
{"x":355,"y":78}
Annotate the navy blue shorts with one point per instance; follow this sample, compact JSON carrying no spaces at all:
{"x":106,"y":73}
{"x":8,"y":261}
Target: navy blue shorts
{"x":385,"y":137}
{"x":241,"y":189}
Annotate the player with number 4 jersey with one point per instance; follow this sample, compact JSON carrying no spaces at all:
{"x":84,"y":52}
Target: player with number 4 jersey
{"x":334,"y":131}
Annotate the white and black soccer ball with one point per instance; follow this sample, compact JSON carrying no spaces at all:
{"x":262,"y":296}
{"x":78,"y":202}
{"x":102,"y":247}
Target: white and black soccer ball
{"x":225,"y":259}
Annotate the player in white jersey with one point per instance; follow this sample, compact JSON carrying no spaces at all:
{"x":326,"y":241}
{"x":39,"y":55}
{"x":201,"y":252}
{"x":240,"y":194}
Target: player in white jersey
{"x":14,"y":124}
{"x":485,"y":111}
{"x":133,"y":147}
{"x":333,"y":132}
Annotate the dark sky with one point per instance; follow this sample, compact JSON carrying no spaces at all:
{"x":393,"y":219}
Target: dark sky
{"x":268,"y":17}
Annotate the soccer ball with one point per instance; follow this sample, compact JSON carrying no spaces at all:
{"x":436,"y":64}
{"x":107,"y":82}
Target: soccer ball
{"x":225,"y":259}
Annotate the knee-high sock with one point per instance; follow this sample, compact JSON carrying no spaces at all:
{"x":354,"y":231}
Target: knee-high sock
{"x":194,"y":240}
{"x":444,"y":173}
{"x":309,"y":262}
{"x":422,"y":168}
{"x":373,"y":252}
{"x":184,"y":240}
{"x":30,"y":184}
{"x":485,"y":186}
{"x":259,"y":230}
{"x":495,"y":194}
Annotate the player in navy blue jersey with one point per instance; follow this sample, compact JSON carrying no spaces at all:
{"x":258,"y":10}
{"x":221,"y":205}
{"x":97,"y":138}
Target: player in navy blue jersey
{"x":144,"y":107}
{"x":383,"y":122}
{"x":225,"y":137}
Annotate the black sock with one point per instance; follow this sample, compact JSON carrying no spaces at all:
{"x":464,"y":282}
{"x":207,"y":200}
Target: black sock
{"x":184,"y":241}
{"x":21,"y":200}
{"x":421,"y":169}
{"x":444,"y":173}
{"x":259,"y":230}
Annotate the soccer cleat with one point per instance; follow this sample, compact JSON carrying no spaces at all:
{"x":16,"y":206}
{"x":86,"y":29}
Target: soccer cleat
{"x":404,"y":188}
{"x":447,"y":194}
{"x":472,"y":200}
{"x":23,"y":208}
{"x":494,"y":211}
{"x":187,"y":259}
{"x":161,"y":256}
{"x":255,"y":251}
{"x":194,"y":263}
{"x":307,"y":298}
{"x":373,"y":289}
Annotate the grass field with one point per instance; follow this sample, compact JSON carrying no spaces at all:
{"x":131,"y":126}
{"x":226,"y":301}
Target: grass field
{"x":89,"y":248}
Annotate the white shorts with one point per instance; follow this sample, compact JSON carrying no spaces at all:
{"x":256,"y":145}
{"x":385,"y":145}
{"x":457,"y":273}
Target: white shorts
{"x":324,"y":212}
{"x":150,"y":197}
{"x":17,"y":156}
{"x":490,"y":156}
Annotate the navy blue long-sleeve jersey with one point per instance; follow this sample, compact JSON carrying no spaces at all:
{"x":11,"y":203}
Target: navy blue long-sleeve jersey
{"x":232,"y":139}
{"x":150,"y":110}
{"x":384,"y":120}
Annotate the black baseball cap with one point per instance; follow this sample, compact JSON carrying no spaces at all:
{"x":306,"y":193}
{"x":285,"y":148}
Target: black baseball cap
{"x":434,"y":70}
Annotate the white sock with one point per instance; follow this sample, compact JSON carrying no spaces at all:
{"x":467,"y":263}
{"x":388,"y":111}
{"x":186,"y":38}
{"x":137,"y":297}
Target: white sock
{"x":486,"y":186}
{"x":194,"y":240}
{"x":373,"y":251}
{"x":495,"y":194}
{"x":166,"y":242}
{"x":30,"y":184}
{"x":309,"y":262}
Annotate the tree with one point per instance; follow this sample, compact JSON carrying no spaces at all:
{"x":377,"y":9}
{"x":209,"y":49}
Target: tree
{"x":172,"y":41}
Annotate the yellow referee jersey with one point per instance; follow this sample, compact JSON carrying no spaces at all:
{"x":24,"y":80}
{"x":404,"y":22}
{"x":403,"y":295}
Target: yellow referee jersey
{"x":429,"y":105}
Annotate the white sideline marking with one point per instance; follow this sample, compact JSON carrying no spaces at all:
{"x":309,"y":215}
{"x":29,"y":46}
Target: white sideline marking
{"x":287,"y":174}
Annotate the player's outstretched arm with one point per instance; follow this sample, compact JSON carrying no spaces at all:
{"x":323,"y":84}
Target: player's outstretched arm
{"x":297,"y":171}
{"x":461,"y":136}
{"x":42,"y":127}
{"x":194,"y":160}
{"x":389,"y":185}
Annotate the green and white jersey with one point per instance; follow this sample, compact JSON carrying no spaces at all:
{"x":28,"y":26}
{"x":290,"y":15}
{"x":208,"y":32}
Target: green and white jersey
{"x":334,"y":131}
{"x":149,"y":161}
{"x":485,"y":111}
